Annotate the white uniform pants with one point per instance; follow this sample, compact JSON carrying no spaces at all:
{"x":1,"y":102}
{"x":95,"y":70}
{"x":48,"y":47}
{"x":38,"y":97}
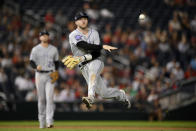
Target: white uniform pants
{"x":45,"y":90}
{"x":91,"y":72}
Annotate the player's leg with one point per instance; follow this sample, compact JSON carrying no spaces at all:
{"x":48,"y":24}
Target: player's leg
{"x":85,"y":73}
{"x":94,"y":70}
{"x":89,"y":72}
{"x":108,"y":93}
{"x":111,"y":93}
{"x":40,"y":85}
{"x":95,"y":83}
{"x":87,"y":100}
{"x":49,"y":102}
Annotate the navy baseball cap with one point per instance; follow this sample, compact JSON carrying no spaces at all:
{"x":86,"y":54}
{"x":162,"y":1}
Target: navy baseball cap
{"x":80,"y":14}
{"x":44,"y":33}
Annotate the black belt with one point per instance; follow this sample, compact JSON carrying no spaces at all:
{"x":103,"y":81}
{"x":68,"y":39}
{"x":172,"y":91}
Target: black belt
{"x":44,"y":71}
{"x":83,"y":63}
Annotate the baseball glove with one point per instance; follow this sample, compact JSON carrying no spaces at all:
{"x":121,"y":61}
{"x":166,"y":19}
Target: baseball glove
{"x":71,"y":61}
{"x":54,"y":76}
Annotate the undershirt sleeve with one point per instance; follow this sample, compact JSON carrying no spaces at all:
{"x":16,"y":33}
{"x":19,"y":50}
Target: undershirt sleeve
{"x":87,"y":46}
{"x":33,"y":65}
{"x":56,"y":63}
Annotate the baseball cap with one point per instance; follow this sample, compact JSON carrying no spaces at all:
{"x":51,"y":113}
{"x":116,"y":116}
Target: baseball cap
{"x":44,"y":33}
{"x":80,"y":14}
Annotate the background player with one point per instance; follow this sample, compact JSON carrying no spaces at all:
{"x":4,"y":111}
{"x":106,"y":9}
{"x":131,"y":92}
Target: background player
{"x":44,"y":59}
{"x":85,"y":40}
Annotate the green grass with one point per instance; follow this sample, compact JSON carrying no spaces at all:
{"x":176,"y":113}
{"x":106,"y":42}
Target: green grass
{"x":101,"y":126}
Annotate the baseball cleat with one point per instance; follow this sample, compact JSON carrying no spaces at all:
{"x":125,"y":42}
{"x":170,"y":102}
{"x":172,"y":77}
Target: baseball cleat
{"x":126,"y":102}
{"x":87,"y":102}
{"x":50,"y":126}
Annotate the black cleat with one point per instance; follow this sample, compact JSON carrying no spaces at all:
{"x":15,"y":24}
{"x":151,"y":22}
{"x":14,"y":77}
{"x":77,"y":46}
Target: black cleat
{"x":87,"y":102}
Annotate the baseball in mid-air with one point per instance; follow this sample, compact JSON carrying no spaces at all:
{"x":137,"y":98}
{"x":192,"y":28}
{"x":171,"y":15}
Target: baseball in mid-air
{"x":142,"y":19}
{"x":142,"y":16}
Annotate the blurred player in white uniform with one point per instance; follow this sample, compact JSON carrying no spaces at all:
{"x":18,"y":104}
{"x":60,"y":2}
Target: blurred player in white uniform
{"x":44,"y":59}
{"x":84,"y":41}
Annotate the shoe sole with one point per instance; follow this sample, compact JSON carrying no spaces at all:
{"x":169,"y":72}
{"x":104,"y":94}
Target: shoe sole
{"x":86,"y":102}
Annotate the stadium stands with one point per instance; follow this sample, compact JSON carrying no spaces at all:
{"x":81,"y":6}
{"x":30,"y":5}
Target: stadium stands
{"x":151,"y":60}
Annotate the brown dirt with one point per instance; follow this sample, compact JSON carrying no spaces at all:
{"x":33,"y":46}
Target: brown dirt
{"x":110,"y":127}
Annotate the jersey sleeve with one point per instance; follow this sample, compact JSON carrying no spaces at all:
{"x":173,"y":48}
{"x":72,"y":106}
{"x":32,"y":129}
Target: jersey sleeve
{"x":33,"y":55}
{"x":74,"y":38}
{"x":96,"y":38}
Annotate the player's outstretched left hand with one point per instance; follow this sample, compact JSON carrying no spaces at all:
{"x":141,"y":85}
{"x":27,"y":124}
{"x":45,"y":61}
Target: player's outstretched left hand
{"x":109,"y":48}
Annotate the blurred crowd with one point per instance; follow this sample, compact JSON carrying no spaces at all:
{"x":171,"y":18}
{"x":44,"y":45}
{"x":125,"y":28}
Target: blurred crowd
{"x":147,"y":63}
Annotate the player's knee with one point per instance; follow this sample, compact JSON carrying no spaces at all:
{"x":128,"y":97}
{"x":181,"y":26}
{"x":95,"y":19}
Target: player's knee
{"x":49,"y":99}
{"x":92,"y":79}
{"x":103,"y":94}
{"x":42,"y":100}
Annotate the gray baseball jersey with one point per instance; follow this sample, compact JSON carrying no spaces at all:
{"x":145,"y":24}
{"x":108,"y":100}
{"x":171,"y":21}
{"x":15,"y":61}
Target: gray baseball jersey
{"x":45,"y":57}
{"x":92,"y":70}
{"x":92,"y":37}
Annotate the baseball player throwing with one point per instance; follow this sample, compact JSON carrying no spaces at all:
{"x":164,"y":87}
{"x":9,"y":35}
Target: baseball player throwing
{"x":44,"y":59}
{"x":86,"y":47}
